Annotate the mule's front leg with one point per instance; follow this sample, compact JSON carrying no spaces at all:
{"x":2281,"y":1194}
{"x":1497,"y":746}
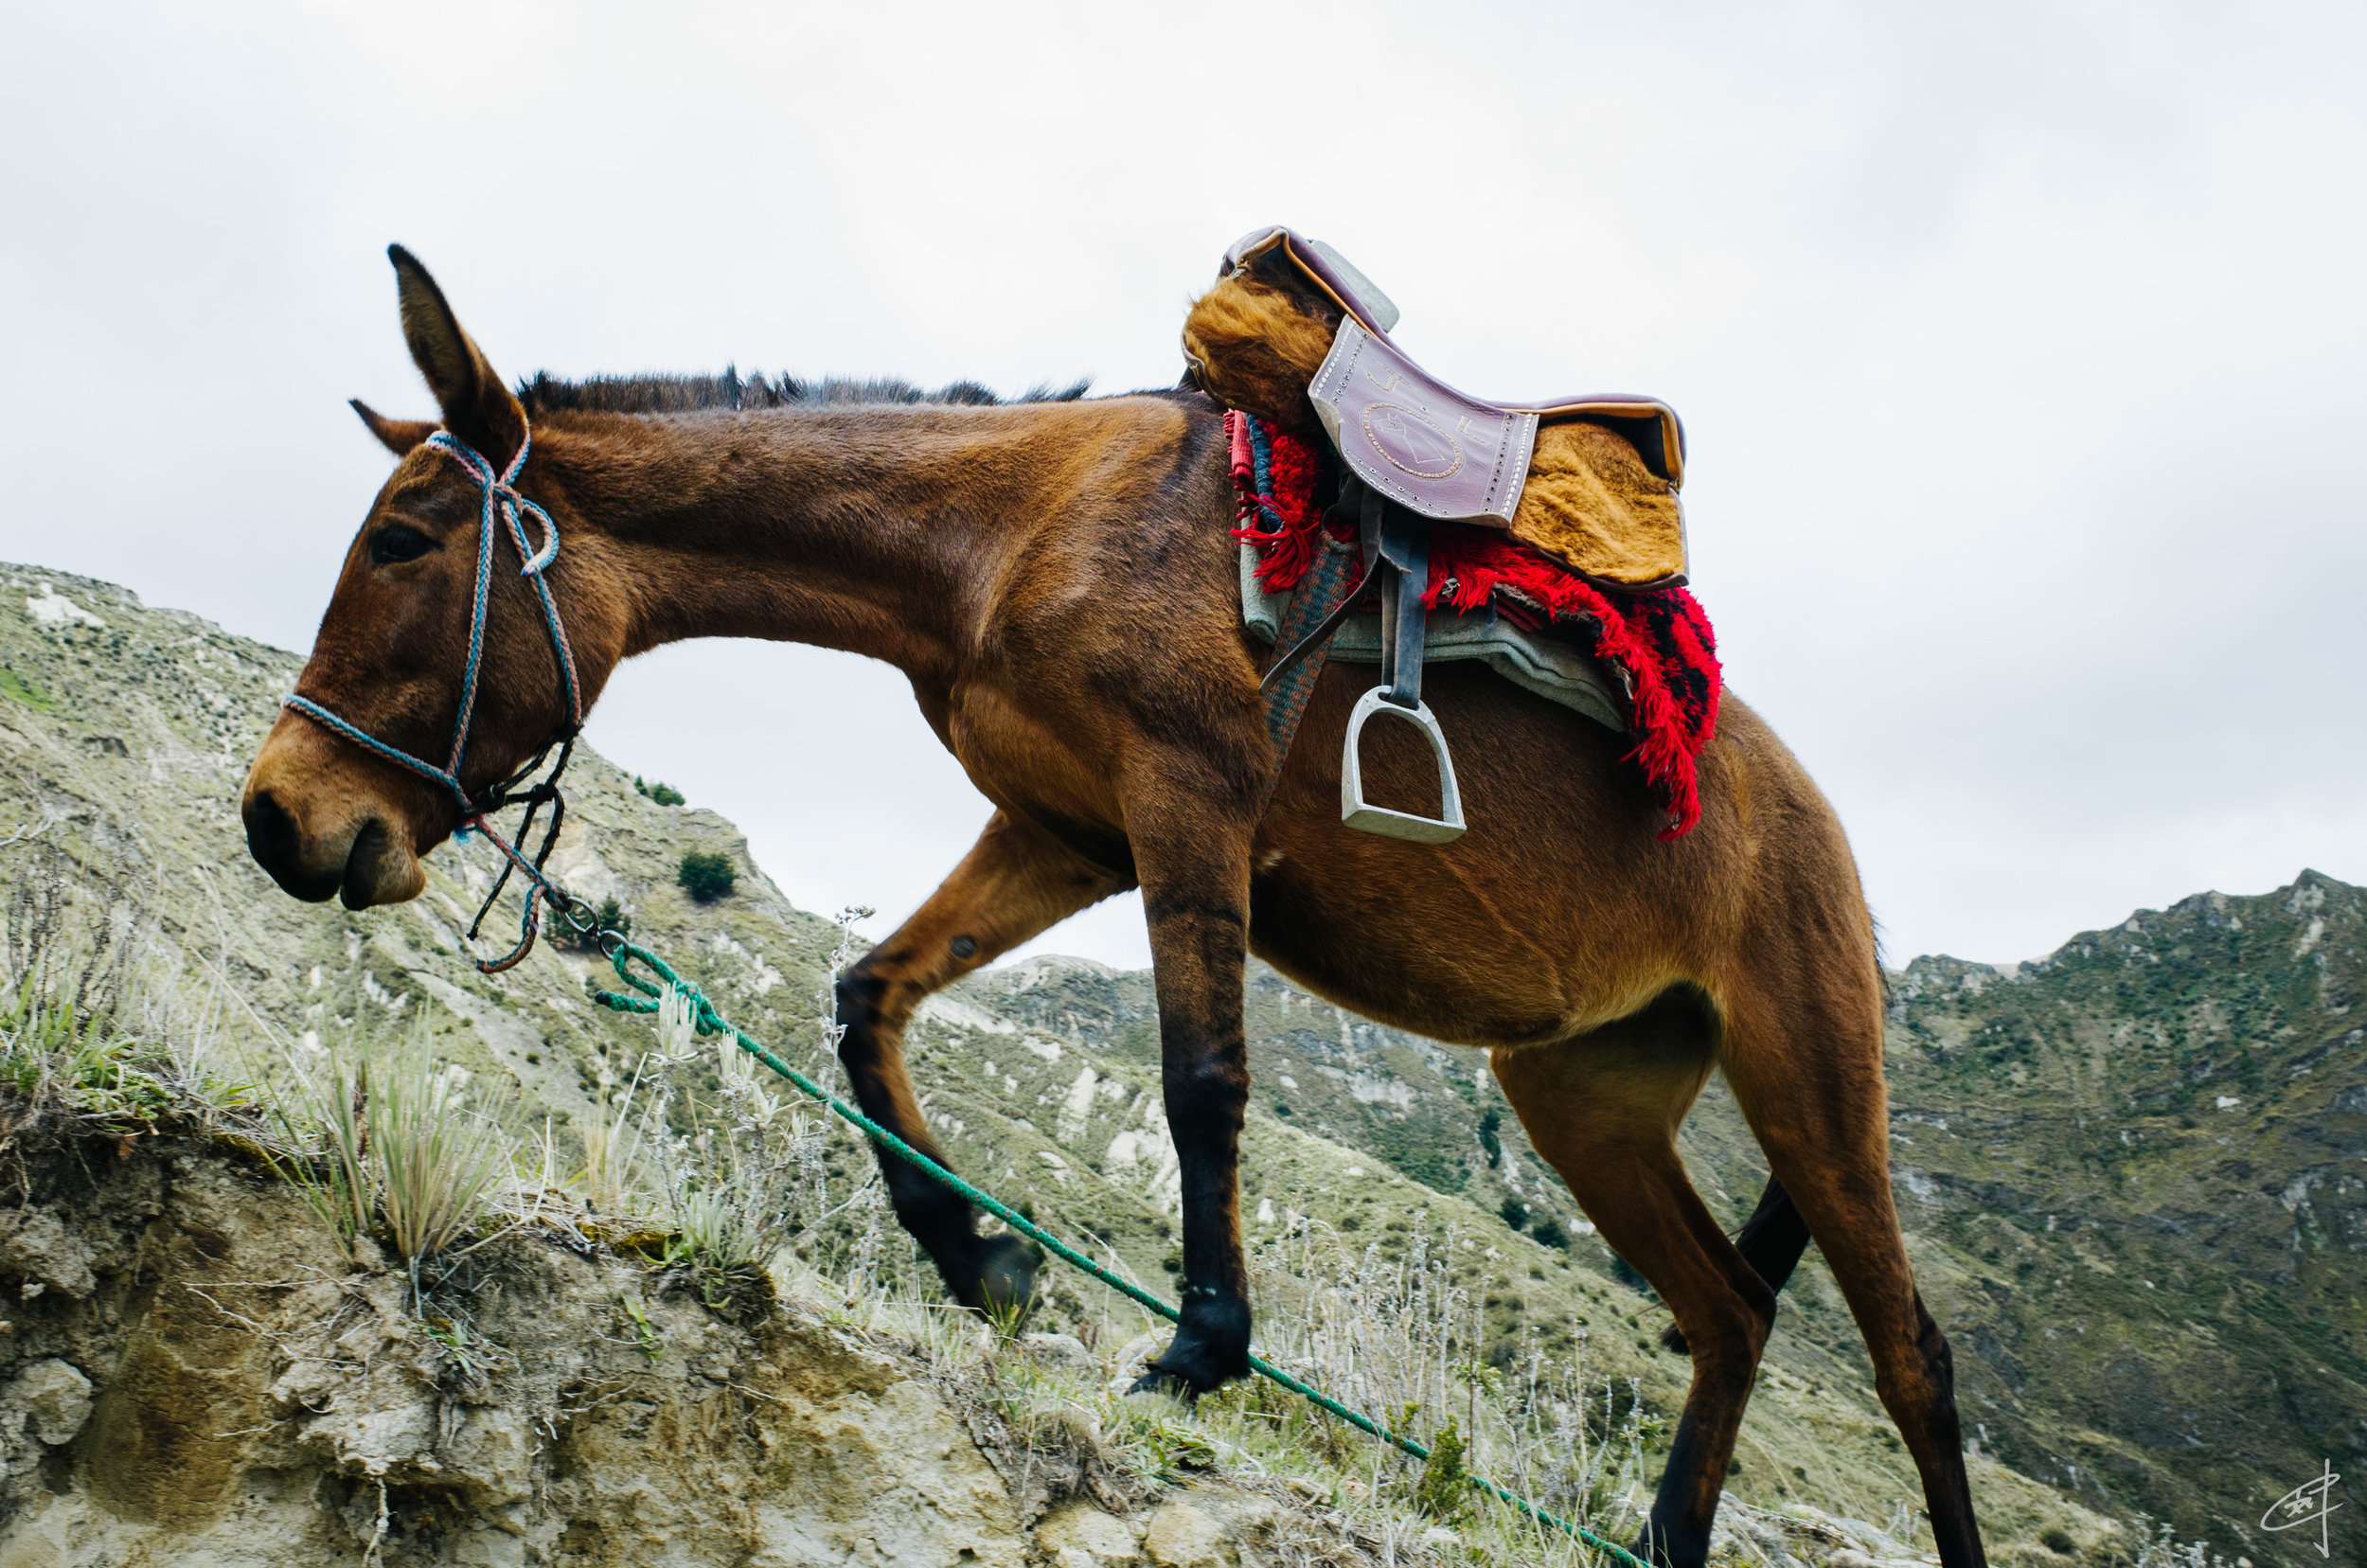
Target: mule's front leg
{"x":1195,"y":881}
{"x":1014,"y":882}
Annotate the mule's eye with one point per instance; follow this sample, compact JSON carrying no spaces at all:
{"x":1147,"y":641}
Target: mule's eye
{"x":390,"y":546}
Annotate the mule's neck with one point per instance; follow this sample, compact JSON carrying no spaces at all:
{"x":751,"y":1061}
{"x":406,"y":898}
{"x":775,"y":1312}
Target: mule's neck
{"x":880,"y":531}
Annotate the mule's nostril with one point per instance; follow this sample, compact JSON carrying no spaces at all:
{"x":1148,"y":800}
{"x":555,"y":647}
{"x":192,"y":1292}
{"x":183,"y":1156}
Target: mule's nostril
{"x":277,"y":842}
{"x":270,"y":831}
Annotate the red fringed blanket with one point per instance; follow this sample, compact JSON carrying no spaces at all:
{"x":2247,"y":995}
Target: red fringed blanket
{"x":1660,"y":641}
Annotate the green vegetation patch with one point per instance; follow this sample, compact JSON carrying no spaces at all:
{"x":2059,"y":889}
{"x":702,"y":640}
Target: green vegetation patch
{"x":20,"y":689}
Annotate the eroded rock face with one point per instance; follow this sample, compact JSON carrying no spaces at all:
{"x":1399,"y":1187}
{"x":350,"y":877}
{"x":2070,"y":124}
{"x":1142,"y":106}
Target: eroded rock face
{"x":217,"y":1389}
{"x":41,"y":1409}
{"x":40,"y":1252}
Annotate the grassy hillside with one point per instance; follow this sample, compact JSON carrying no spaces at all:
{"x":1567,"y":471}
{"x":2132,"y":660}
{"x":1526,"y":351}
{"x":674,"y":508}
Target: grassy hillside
{"x":2153,"y":1296}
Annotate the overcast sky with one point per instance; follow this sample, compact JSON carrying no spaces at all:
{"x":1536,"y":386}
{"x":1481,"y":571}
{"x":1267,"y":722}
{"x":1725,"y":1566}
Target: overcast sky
{"x":2020,"y":347}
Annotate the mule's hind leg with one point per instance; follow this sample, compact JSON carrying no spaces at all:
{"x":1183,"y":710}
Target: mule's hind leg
{"x":1806,"y":1072}
{"x":1771,"y":1241}
{"x":1015,"y":881}
{"x":1604,"y":1110}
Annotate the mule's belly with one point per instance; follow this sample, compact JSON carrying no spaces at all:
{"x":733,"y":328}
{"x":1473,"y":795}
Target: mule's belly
{"x":1558,"y":910}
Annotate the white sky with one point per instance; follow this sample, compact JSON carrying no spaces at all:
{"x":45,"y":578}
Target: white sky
{"x":2020,"y":347}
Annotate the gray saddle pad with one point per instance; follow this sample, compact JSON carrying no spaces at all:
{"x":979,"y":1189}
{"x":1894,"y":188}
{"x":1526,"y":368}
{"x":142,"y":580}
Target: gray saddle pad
{"x":1547,"y":665}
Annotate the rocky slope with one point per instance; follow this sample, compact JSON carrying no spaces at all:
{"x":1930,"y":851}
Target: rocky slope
{"x":124,"y":735}
{"x":192,"y":1380}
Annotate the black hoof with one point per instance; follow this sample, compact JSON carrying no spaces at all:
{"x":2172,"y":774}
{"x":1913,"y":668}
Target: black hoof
{"x":1006,"y":1277}
{"x":1659,"y":1550}
{"x":1159,"y":1380}
{"x":995,"y":1275}
{"x":1210,"y":1349}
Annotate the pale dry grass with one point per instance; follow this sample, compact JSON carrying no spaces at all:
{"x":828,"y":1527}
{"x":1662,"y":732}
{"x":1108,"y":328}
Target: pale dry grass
{"x":1397,"y":1340}
{"x":386,"y":1143}
{"x":98,"y":1030}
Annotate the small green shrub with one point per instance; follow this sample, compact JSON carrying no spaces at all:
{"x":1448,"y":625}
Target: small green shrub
{"x":2058,"y":1541}
{"x":706,"y":875}
{"x":1490,"y":1134}
{"x":664,"y":794}
{"x":1549,"y":1231}
{"x":1514,"y":1213}
{"x":1629,"y":1276}
{"x":1443,"y":1492}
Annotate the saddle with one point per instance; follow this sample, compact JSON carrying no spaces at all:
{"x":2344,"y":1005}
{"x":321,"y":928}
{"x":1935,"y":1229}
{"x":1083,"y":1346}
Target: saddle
{"x":1290,"y":329}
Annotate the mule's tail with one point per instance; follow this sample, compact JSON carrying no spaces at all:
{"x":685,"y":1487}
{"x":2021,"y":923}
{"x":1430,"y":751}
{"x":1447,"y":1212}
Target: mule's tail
{"x":1772,"y":1242}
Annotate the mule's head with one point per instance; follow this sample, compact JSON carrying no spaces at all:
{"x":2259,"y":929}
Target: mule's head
{"x":324,"y":815}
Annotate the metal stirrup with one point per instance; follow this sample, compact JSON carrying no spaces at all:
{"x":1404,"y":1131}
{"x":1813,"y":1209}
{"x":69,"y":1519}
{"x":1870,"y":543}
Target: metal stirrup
{"x":1404,"y":567}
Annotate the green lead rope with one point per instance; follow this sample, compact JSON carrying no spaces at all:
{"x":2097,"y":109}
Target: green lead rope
{"x":707,"y":1020}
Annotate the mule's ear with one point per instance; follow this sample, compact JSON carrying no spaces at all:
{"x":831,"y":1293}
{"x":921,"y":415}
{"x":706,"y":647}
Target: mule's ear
{"x":397,"y":435}
{"x":477,"y":408}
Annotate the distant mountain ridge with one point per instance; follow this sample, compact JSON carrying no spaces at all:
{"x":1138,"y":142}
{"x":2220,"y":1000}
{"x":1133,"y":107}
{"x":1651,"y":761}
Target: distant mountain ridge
{"x":2130,"y":1171}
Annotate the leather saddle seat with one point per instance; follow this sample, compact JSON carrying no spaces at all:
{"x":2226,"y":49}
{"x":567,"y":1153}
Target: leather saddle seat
{"x":1294,"y":333}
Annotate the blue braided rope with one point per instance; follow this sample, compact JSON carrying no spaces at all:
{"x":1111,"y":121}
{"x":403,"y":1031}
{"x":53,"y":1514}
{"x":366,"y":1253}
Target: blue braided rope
{"x":320,"y":715}
{"x":559,"y":642}
{"x":479,"y":604}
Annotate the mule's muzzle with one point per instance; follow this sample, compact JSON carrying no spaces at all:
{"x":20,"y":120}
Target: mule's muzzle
{"x":361,"y":860}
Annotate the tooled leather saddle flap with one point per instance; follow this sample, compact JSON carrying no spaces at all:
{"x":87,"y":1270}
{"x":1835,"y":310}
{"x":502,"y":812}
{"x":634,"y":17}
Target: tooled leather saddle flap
{"x":1436,"y":450}
{"x":1414,"y":439}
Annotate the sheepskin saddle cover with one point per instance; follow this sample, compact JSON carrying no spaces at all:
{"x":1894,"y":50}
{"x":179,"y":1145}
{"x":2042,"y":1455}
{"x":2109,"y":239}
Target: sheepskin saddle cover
{"x":1296,"y":335}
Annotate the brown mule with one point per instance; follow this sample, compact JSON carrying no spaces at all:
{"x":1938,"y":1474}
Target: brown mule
{"x":1057,"y":580}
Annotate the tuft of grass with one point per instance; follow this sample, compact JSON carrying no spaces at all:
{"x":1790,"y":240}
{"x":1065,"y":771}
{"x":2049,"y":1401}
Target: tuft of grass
{"x":82,"y":1026}
{"x":53,"y":1050}
{"x":613,"y":1179}
{"x":329,"y":1100}
{"x":740,"y":1172}
{"x":438,"y":1157}
{"x":718,"y":1229}
{"x":390,"y":1144}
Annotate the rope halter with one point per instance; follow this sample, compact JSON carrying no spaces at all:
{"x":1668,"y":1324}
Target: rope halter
{"x":505,"y":506}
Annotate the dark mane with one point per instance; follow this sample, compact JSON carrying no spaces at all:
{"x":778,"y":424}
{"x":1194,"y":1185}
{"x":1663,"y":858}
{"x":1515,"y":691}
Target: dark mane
{"x":730,"y":392}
